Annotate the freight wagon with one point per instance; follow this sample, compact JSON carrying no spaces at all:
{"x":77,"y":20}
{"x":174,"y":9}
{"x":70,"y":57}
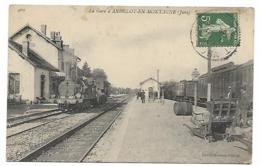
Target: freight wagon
{"x":222,"y":77}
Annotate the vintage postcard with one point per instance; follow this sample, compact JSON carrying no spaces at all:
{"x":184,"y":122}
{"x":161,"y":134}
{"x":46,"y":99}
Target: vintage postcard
{"x":130,"y":84}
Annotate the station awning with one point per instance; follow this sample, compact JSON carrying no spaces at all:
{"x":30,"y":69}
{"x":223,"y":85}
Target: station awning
{"x":58,"y":74}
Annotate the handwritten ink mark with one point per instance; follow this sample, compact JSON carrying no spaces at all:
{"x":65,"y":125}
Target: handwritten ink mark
{"x":21,"y":10}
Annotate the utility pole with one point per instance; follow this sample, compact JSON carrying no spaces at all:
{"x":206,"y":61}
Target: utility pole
{"x":195,"y":75}
{"x":158,"y":84}
{"x":209,"y":75}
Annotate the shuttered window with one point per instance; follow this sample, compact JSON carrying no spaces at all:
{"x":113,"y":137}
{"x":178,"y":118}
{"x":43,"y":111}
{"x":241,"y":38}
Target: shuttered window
{"x":14,"y":83}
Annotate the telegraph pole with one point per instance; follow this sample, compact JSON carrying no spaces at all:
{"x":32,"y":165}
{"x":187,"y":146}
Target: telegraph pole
{"x":209,"y":75}
{"x":195,"y":75}
{"x":158,"y":79}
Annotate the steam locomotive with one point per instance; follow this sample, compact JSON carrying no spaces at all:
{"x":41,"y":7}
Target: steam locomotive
{"x":81,"y":95}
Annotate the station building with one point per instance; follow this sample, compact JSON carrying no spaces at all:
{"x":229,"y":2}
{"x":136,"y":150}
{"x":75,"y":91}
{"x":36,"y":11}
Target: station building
{"x":151,"y":87}
{"x":28,"y":73}
{"x":37,"y":64}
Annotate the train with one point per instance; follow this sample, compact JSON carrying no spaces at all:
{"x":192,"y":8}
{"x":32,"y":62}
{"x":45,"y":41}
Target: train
{"x":222,"y":77}
{"x":81,"y":95}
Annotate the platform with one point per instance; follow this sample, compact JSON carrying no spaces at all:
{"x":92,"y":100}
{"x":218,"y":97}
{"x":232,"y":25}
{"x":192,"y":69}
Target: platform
{"x":15,"y":110}
{"x":151,"y":132}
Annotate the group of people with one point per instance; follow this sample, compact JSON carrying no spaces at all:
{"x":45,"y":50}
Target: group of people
{"x":152,"y":96}
{"x":141,"y":94}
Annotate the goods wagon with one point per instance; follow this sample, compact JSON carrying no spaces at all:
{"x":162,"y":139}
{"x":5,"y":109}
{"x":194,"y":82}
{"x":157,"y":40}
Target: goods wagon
{"x":180,"y":90}
{"x":222,"y":77}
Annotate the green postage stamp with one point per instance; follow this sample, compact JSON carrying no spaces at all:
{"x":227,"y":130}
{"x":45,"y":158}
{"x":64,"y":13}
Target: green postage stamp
{"x":217,"y":30}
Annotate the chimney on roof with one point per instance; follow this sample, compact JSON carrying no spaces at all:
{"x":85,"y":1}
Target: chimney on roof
{"x":25,"y":47}
{"x":59,"y":43}
{"x":44,"y":29}
{"x":52,"y":35}
{"x":57,"y":36}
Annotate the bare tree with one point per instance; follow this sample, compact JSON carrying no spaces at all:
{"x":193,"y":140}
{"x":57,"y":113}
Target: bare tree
{"x":86,"y":70}
{"x":99,"y":73}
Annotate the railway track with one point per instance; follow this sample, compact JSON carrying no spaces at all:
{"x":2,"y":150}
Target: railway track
{"x":12,"y":122}
{"x":31,"y":128}
{"x":74,"y":144}
{"x":43,"y":121}
{"x":40,"y":116}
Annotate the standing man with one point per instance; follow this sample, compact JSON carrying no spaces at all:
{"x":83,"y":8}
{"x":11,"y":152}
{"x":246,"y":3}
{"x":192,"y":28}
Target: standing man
{"x":241,"y":113}
{"x":143,"y":96}
{"x":244,"y":105}
{"x":137,"y":95}
{"x":229,"y":94}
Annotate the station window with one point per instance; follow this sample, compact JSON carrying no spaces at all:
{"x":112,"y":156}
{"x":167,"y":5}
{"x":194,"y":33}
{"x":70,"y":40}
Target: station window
{"x":14,"y":83}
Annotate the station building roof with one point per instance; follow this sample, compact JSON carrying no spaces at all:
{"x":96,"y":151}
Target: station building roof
{"x":26,"y":27}
{"x":32,"y":57}
{"x":148,"y":79}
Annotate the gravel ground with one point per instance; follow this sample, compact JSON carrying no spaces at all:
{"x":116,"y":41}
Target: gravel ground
{"x":73,"y":148}
{"x":18,"y":146}
{"x":151,"y":132}
{"x":25,"y":126}
{"x":21,"y":144}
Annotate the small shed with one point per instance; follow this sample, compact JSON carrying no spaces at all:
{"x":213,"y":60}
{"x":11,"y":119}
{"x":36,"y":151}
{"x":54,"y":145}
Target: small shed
{"x":151,"y":87}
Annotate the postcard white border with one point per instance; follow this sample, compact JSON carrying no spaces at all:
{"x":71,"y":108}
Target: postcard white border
{"x":4,"y":5}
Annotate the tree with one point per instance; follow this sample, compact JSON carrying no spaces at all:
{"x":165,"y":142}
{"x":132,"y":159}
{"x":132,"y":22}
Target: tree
{"x":86,"y":70}
{"x":99,"y":73}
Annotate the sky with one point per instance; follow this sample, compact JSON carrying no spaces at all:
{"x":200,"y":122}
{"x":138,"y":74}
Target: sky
{"x":130,"y":47}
